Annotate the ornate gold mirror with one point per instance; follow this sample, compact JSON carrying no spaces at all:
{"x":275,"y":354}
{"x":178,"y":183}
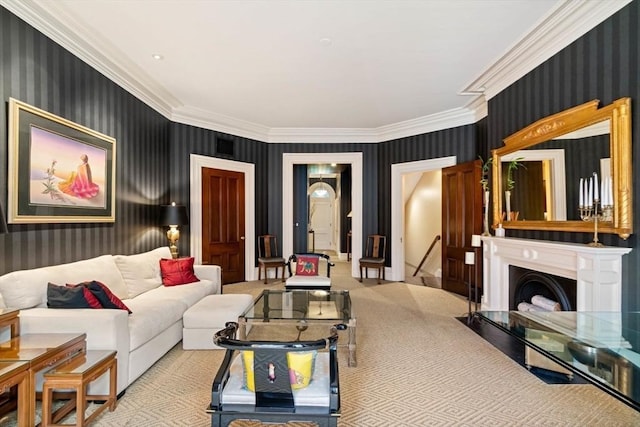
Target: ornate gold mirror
{"x":548,"y":175}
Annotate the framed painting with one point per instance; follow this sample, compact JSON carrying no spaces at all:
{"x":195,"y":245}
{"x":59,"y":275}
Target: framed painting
{"x":59,"y":171}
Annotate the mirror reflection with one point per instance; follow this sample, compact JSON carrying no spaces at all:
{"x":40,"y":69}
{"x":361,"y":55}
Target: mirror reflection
{"x":540,"y":181}
{"x":550,"y":173}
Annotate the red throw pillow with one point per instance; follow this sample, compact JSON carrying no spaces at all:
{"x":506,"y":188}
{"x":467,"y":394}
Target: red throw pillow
{"x":177,"y":271}
{"x":306,"y":265}
{"x":103,"y":294}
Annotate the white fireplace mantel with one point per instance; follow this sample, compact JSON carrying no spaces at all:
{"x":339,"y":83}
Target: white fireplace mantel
{"x":597,"y":270}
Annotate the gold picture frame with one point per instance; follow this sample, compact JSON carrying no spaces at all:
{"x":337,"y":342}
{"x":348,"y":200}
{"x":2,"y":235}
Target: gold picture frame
{"x":618,"y":113}
{"x":58,"y":171}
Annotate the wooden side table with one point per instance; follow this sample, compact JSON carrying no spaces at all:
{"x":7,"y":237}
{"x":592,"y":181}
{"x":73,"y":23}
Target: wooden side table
{"x":40,"y":351}
{"x":17,"y":374}
{"x":77,"y":374}
{"x":9,"y":317}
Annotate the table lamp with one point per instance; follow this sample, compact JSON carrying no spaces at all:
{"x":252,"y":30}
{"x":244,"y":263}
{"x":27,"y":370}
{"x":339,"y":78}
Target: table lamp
{"x":174,"y":215}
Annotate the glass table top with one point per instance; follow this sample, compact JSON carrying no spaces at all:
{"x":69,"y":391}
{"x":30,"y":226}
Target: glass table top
{"x":301,"y":305}
{"x":603,"y":347}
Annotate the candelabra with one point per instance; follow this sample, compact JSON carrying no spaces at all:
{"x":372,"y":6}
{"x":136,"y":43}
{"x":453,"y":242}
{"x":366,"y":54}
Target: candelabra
{"x":590,"y":213}
{"x":590,"y":202}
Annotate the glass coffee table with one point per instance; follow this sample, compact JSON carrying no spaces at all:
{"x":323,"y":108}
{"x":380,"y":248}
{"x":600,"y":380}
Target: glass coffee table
{"x":601,"y":347}
{"x":302,"y":309}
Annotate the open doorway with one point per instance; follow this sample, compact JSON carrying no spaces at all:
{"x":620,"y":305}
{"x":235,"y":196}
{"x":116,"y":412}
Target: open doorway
{"x":353,"y":159}
{"x":423,"y":227}
{"x":323,"y":218}
{"x":398,"y":220}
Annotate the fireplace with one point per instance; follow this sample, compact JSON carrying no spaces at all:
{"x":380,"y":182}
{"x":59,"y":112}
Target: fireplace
{"x":525,"y":284}
{"x":596,"y":273}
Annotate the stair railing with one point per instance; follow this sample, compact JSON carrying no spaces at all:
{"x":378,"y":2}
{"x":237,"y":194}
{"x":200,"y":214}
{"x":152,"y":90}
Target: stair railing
{"x":424,"y":258}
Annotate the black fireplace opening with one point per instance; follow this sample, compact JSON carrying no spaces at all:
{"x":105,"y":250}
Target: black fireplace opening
{"x":524,"y":284}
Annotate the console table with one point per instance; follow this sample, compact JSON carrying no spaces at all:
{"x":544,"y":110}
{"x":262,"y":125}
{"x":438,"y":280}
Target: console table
{"x":601,"y":347}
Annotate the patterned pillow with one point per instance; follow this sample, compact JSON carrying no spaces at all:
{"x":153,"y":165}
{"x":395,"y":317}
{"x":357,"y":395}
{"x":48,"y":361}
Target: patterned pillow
{"x":306,"y":265}
{"x":103,"y":294}
{"x":70,"y":297}
{"x":177,"y":271}
{"x":301,"y":366}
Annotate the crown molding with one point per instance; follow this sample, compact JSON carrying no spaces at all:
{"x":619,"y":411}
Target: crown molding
{"x":68,"y":33}
{"x":220,"y":123}
{"x":439,"y":121}
{"x":563,"y":25}
{"x":432,"y":123}
{"x":569,"y":20}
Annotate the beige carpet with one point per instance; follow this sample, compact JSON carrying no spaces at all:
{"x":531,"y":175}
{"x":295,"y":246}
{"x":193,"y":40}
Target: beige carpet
{"x":417,"y":366}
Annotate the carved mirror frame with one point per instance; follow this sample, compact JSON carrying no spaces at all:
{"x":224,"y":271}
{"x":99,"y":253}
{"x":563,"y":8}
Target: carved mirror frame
{"x":619,"y":114}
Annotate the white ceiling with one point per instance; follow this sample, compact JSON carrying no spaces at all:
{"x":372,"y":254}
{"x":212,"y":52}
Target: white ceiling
{"x":306,"y":71}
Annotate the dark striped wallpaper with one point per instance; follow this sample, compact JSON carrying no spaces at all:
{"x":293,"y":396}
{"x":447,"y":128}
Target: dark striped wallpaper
{"x":603,"y":64}
{"x":153,"y":153}
{"x":39,"y":72}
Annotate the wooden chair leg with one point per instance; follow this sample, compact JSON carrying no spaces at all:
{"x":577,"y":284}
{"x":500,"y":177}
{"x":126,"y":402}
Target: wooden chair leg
{"x":360,"y":274}
{"x":265,"y":274}
{"x":259,"y":271}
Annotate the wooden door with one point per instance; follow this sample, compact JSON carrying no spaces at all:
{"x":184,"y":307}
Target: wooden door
{"x":461,"y":218}
{"x":223,"y":239}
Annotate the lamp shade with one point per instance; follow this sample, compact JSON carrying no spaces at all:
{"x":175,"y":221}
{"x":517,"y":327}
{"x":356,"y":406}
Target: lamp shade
{"x":174,"y":215}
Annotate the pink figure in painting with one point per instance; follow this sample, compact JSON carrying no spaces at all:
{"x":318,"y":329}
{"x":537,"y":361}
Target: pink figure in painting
{"x":80,"y":183}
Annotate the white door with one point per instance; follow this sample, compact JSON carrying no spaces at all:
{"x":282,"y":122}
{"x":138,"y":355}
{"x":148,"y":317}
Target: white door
{"x":322,"y":222}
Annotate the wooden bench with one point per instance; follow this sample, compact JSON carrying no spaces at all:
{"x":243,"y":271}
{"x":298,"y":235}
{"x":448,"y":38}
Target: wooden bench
{"x":76,"y":374}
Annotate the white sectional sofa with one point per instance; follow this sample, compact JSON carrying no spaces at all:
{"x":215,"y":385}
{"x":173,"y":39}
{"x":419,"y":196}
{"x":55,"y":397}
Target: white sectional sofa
{"x":140,"y":338}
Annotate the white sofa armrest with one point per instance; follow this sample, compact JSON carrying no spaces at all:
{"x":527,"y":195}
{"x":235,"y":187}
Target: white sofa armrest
{"x":212,"y":273}
{"x":106,"y":329}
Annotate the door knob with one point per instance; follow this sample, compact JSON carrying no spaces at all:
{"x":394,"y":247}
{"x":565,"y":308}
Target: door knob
{"x":241,"y":237}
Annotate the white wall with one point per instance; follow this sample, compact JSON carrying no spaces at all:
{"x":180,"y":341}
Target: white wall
{"x":423,"y":221}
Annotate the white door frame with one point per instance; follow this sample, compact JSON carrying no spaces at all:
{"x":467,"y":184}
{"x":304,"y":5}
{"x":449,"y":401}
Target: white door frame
{"x":355,"y":160}
{"x":197,"y":163}
{"x":397,"y":207}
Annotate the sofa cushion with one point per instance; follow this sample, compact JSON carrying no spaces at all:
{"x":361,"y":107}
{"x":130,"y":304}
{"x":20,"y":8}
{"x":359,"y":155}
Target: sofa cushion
{"x":28,"y":288}
{"x":177,"y":271}
{"x":141,"y":272}
{"x":70,"y":297}
{"x":187,"y":294}
{"x":150,"y":317}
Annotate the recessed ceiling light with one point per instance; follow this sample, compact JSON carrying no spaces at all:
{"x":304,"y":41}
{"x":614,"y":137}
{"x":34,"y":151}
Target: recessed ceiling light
{"x":325,"y":41}
{"x":157,"y":57}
